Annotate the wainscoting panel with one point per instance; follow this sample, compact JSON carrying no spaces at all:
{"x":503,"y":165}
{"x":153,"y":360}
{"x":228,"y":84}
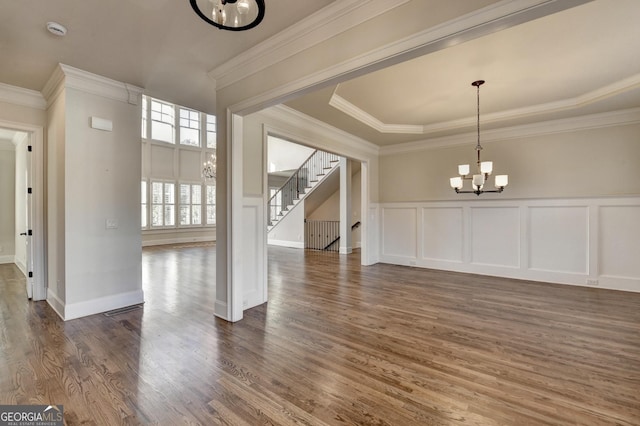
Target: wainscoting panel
{"x":559,"y":238}
{"x":495,"y":236}
{"x":399,"y":232}
{"x":619,"y":242}
{"x":440,"y":224}
{"x":586,"y":242}
{"x":254,"y":253}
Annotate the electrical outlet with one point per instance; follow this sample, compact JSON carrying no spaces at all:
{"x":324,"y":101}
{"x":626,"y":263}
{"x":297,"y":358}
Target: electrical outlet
{"x":593,"y":282}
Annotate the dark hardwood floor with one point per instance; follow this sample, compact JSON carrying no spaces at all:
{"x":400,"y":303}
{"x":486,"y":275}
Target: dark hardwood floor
{"x":337,"y":343}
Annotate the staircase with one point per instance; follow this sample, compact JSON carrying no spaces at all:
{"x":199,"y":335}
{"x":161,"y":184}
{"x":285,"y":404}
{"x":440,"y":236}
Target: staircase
{"x":302,"y":181}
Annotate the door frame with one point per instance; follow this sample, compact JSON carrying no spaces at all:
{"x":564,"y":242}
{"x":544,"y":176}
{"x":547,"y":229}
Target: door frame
{"x":36,"y":138}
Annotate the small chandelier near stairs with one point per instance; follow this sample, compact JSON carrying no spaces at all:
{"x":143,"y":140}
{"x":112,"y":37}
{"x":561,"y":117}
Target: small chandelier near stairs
{"x":485,"y":168}
{"x":209,"y":169}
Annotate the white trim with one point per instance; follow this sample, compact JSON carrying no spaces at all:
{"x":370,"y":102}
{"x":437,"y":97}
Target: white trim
{"x":102,"y":304}
{"x":364,"y":117}
{"x":220,"y":309}
{"x":65,"y":76}
{"x":9,"y":258}
{"x":56,"y":303}
{"x":352,"y":146}
{"x":182,"y":240}
{"x":525,"y":268}
{"x":36,"y":134}
{"x":284,"y":243}
{"x":585,"y":122}
{"x":21,"y":266}
{"x":20,"y":96}
{"x":328,"y":22}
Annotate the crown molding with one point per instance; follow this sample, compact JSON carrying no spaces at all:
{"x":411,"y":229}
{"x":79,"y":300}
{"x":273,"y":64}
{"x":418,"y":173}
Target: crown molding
{"x":291,"y":120}
{"x":328,"y":22}
{"x":496,"y":17}
{"x":588,"y":98}
{"x":65,"y":76}
{"x":585,"y":122}
{"x":20,"y":96}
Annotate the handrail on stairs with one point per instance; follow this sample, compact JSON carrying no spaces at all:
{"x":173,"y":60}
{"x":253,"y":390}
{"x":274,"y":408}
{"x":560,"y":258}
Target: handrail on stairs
{"x":310,"y":171}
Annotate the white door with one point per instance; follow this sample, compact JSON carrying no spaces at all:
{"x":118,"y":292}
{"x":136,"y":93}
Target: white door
{"x":28,"y":238}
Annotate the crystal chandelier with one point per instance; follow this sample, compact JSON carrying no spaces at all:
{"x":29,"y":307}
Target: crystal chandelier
{"x":209,"y":169}
{"x":485,"y":168}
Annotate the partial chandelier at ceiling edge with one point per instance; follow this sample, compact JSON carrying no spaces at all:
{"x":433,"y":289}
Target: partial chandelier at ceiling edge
{"x":232,"y":15}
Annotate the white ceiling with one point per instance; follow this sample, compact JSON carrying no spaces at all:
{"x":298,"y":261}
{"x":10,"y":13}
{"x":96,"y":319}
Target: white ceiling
{"x":160,"y":45}
{"x":579,"y":61}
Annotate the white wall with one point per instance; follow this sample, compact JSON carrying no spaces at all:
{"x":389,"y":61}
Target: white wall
{"x":289,"y":231}
{"x":7,"y":201}
{"x":285,"y":155}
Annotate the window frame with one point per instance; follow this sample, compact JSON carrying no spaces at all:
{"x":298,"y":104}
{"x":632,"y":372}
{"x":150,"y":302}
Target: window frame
{"x":176,"y":147}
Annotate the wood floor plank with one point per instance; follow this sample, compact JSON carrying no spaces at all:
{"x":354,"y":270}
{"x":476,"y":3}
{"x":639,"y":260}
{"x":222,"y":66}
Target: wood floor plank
{"x":337,"y":343}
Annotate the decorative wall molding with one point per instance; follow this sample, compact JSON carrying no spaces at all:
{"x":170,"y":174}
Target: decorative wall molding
{"x":585,"y":122}
{"x":328,"y":22}
{"x":65,"y":76}
{"x":283,"y":243}
{"x":495,"y":17}
{"x":254,"y":283}
{"x":291,"y":121}
{"x":364,"y":117}
{"x":24,"y":97}
{"x":7,"y":259}
{"x":583,"y":241}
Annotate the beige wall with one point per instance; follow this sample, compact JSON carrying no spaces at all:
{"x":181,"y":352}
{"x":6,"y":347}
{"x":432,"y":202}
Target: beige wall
{"x":55,"y":199}
{"x":22,"y":114}
{"x":595,"y":162}
{"x":7,"y":199}
{"x":102,"y":182}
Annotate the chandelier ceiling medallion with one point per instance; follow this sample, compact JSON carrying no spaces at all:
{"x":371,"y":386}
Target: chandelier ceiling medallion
{"x":485,"y":168}
{"x":209,"y":169}
{"x":232,"y":15}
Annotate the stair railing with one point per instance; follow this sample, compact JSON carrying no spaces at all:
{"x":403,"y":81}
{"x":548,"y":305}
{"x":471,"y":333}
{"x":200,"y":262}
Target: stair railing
{"x":314,"y":167}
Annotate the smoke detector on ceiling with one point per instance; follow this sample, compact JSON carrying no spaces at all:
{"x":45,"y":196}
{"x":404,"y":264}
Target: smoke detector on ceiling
{"x":56,"y":29}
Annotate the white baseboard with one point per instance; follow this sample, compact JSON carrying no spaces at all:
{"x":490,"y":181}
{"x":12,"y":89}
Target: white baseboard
{"x":56,"y":304}
{"x":102,"y":304}
{"x":9,"y":258}
{"x":220,"y":310}
{"x":21,"y":266}
{"x":168,"y":241}
{"x":284,"y":243}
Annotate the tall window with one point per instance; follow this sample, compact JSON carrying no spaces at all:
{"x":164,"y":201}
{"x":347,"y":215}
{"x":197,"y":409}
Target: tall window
{"x":189,"y":127}
{"x":211,"y":204}
{"x":211,"y":131}
{"x":162,"y":121}
{"x":162,"y":204}
{"x":168,"y":201}
{"x":145,"y":113}
{"x":190,"y":204}
{"x":143,"y":194}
